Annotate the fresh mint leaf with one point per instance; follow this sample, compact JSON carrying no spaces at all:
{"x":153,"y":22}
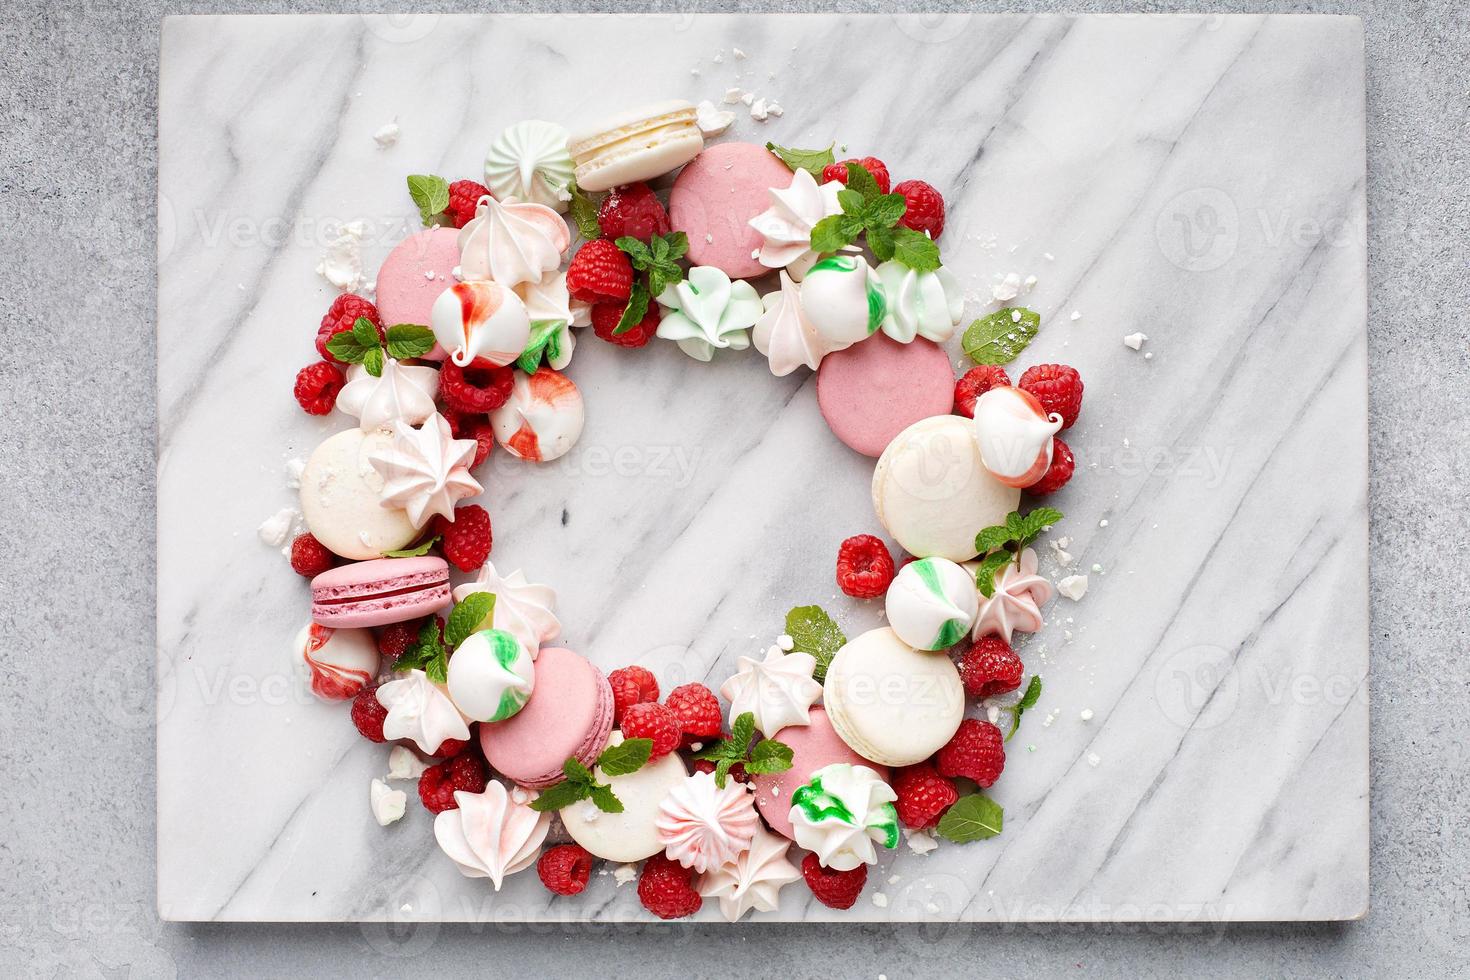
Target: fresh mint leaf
{"x":992,"y":538}
{"x":998,"y":338}
{"x":860,"y":180}
{"x":635,"y":311}
{"x":812,"y":161}
{"x":973,"y":817}
{"x":880,"y":240}
{"x":816,"y":633}
{"x":345,"y":348}
{"x":576,"y":772}
{"x":722,"y":771}
{"x":638,"y":253}
{"x":558,"y":797}
{"x":467,"y":615}
{"x":1027,"y":702}
{"x":365,"y":332}
{"x":741,"y":732}
{"x":430,"y":194}
{"x":1039,"y":520}
{"x":985,"y":574}
{"x":885,"y":210}
{"x":915,"y":249}
{"x":627,"y":757}
{"x":852,"y":201}
{"x":406,"y":340}
{"x":768,"y":756}
{"x":372,"y":361}
{"x":417,"y":551}
{"x":832,"y":234}
{"x":584,"y":214}
{"x":678,"y":245}
{"x":607,"y":801}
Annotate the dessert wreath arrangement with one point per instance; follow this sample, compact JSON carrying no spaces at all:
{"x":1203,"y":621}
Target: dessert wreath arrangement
{"x":812,"y":759}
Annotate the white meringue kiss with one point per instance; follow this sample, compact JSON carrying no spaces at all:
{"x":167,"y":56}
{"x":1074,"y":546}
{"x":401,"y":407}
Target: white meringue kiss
{"x":1014,"y":434}
{"x":480,"y":319}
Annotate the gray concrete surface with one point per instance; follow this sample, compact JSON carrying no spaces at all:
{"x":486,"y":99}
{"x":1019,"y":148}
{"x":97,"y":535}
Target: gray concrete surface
{"x":76,"y":470}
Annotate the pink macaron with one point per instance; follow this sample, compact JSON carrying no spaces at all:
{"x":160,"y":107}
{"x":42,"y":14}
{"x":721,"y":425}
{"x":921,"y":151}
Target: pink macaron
{"x":813,"y":746}
{"x":714,"y":198}
{"x":569,"y":715}
{"x":414,"y":274}
{"x":380,"y":591}
{"x":875,"y":389}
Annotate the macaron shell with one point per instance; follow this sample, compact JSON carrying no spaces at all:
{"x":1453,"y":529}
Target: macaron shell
{"x":379,"y":592}
{"x":569,"y":714}
{"x":414,"y":274}
{"x":639,"y":144}
{"x":341,"y":498}
{"x":875,"y":389}
{"x":630,"y":835}
{"x":813,"y":746}
{"x":714,"y":198}
{"x":891,"y":703}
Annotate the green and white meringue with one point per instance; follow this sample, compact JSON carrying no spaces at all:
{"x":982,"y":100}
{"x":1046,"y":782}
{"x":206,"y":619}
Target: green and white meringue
{"x":920,"y":304}
{"x":842,"y":812}
{"x":843,"y":298}
{"x":932,"y":603}
{"x":529,"y":161}
{"x":491,"y":675}
{"x":707,"y":311}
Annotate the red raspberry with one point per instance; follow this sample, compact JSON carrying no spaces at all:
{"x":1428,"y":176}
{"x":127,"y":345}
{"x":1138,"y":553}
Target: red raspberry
{"x":1058,"y":388}
{"x":838,"y":171}
{"x":472,"y":425}
{"x":395,"y":638}
{"x":977,"y":752}
{"x":476,"y":388}
{"x":605,"y":318}
{"x":1062,"y":465}
{"x":309,"y":557}
{"x":600,"y":273}
{"x":465,"y":772}
{"x":834,"y":889}
{"x":651,"y":720}
{"x":317,"y":386}
{"x":463,"y":196}
{"x":565,"y":869}
{"x":990,"y":667}
{"x":698,"y":711}
{"x":923,"y":795}
{"x":632,"y":210}
{"x":976,"y":382}
{"x":666,"y":888}
{"x":467,"y":539}
{"x":737,"y":771}
{"x":368,"y":714}
{"x":340,"y":317}
{"x":450,"y":748}
{"x":864,"y":567}
{"x":631,"y":685}
{"x":926,"y":207}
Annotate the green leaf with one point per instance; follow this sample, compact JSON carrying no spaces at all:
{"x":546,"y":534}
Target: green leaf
{"x":417,"y":551}
{"x":407,"y":340}
{"x":606,"y":800}
{"x":992,"y":538}
{"x":997,"y":338}
{"x":467,"y":615}
{"x":812,"y":161}
{"x":635,"y":311}
{"x":345,"y":348}
{"x":714,"y":752}
{"x":543,"y":332}
{"x":741,"y":732}
{"x":880,"y":240}
{"x":430,"y":193}
{"x":584,"y":213}
{"x":852,"y":201}
{"x":426,"y":653}
{"x":576,"y":772}
{"x":1040,"y":519}
{"x":1027,"y":702}
{"x":860,"y":180}
{"x":985,"y":574}
{"x":629,"y":756}
{"x":372,"y":361}
{"x":769,"y":755}
{"x":973,"y":817}
{"x":1015,"y":525}
{"x":678,"y":245}
{"x":885,"y":210}
{"x":638,"y":253}
{"x":831,"y":234}
{"x":814,"y":632}
{"x":722,"y":771}
{"x":365,"y":332}
{"x":559,"y":796}
{"x":437,"y":669}
{"x":915,"y":250}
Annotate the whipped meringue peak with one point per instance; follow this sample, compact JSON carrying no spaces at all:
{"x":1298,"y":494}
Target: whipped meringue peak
{"x":778,"y":691}
{"x":525,"y":610}
{"x":419,"y":711}
{"x":786,"y":226}
{"x":483,"y":319}
{"x":785,"y":334}
{"x":492,"y":834}
{"x":529,"y":161}
{"x":753,"y":881}
{"x":402,"y":391}
{"x":920,"y":304}
{"x":425,"y":470}
{"x":703,"y":826}
{"x":1014,"y":434}
{"x":512,"y":243}
{"x":707,"y":311}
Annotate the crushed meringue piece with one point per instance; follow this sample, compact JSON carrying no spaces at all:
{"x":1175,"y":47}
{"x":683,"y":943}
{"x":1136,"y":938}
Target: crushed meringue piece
{"x":388,"y":805}
{"x":625,"y":873}
{"x":1093,"y":759}
{"x":1076,"y":315}
{"x":276,"y":529}
{"x":1007,"y":289}
{"x":1135,"y":340}
{"x":341,"y":263}
{"x":404,"y":764}
{"x":786,"y":643}
{"x":880,"y":900}
{"x":295,"y":466}
{"x":921,"y":843}
{"x":739,"y":55}
{"x":1074,"y":587}
{"x":387,"y":134}
{"x":732,"y":96}
{"x":1029,"y":283}
{"x":747,"y":97}
{"x":1086,"y":714}
{"x":711,"y":120}
{"x":758,"y":110}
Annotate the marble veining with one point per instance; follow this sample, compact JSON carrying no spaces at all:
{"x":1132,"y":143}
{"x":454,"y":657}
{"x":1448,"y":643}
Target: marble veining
{"x":1199,"y":179}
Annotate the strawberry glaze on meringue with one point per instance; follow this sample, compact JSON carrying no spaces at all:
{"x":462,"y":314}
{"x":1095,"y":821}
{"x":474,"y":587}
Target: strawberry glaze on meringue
{"x":1014,"y":434}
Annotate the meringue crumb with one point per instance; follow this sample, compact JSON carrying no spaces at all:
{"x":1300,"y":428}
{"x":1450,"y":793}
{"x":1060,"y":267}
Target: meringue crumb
{"x":739,"y":55}
{"x":1135,"y":340}
{"x":747,"y":97}
{"x":1086,"y":714}
{"x":1103,"y":522}
{"x":759,"y":111}
{"x":731,"y":96}
{"x":1093,"y":759}
{"x":387,"y":134}
{"x":712,"y":121}
{"x":1076,"y":315}
{"x":404,"y":764}
{"x":921,"y":843}
{"x":1007,"y":289}
{"x":1048,"y":256}
{"x":276,"y":529}
{"x":1015,"y":316}
{"x":625,"y":873}
{"x":1074,"y":587}
{"x":388,"y":805}
{"x":719,"y":58}
{"x":785,"y":642}
{"x":295,"y":466}
{"x":1029,"y":283}
{"x":1148,"y":356}
{"x":880,"y":900}
{"x":1097,"y":568}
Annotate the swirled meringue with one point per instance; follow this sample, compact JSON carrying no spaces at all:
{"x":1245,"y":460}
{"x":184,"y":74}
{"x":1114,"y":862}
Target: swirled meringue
{"x":778,"y":691}
{"x":480,"y":319}
{"x":402,"y":391}
{"x":425,"y":470}
{"x":339,"y":663}
{"x":844,"y":299}
{"x":932,"y":603}
{"x":512,"y":243}
{"x":420,"y":712}
{"x":841,"y":812}
{"x":1014,"y":434}
{"x":492,"y":834}
{"x":525,"y":610}
{"x":754,"y":879}
{"x":529,"y":161}
{"x":707,"y":310}
{"x":490,"y":675}
{"x":703,"y":826}
{"x":920,"y":304}
{"x":785,"y":335}
{"x":543,"y":417}
{"x":552,"y":314}
{"x":1016,"y":605}
{"x":786,"y":226}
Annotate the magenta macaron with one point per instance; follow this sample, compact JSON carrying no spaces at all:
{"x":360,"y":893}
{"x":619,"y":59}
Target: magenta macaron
{"x":714,"y":198}
{"x":569,"y":715}
{"x":814,"y":746}
{"x":875,"y":389}
{"x":380,"y":591}
{"x":414,"y":274}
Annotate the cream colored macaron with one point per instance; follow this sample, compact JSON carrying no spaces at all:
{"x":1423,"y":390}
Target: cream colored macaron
{"x":630,"y":835}
{"x":933,"y":494}
{"x":341,"y":498}
{"x":891,"y":703}
{"x":637,"y":145}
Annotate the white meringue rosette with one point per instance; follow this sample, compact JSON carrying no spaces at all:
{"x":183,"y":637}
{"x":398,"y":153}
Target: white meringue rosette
{"x":842,"y":812}
{"x":932,"y":603}
{"x":525,"y":610}
{"x":493,"y":834}
{"x":703,"y":826}
{"x":425,"y":470}
{"x":490,"y":675}
{"x":1016,"y":603}
{"x":778,"y":691}
{"x":844,"y":299}
{"x":707,"y":311}
{"x":529,"y":161}
{"x":337,"y":663}
{"x":402,"y":391}
{"x":920,"y":304}
{"x":480,"y":319}
{"x":784,"y":333}
{"x":1014,"y":434}
{"x":786,"y":226}
{"x":421,"y":712}
{"x":753,"y":881}
{"x":512,"y":243}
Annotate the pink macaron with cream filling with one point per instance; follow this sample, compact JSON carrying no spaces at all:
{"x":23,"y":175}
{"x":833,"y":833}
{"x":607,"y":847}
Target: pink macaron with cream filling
{"x":569,"y":715}
{"x":814,"y":746}
{"x":875,"y":389}
{"x":714,"y":198}
{"x":380,"y":591}
{"x":414,"y":274}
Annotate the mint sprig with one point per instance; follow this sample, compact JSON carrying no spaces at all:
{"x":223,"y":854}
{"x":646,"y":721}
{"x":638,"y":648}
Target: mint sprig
{"x":812,"y":161}
{"x":467,"y":615}
{"x":431,"y":194}
{"x":427,"y":653}
{"x":364,"y":345}
{"x":584,"y":213}
{"x":1001,"y":544}
{"x":417,"y":551}
{"x":765,"y":756}
{"x":659,"y":257}
{"x":999,"y":337}
{"x":813,"y":631}
{"x":1027,"y":702}
{"x":866,"y":211}
{"x":636,"y":309}
{"x":579,"y":782}
{"x":973,"y":817}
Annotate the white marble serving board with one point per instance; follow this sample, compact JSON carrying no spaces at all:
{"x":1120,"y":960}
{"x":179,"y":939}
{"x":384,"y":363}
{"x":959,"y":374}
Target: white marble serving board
{"x":1199,"y":179}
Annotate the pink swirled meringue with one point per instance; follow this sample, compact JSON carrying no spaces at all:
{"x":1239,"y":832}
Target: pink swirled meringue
{"x":1016,"y":605}
{"x":543,"y":417}
{"x":1014,"y":434}
{"x":512,"y":243}
{"x":703,"y":826}
{"x":754,"y":879}
{"x":492,"y":834}
{"x":525,"y":610}
{"x":425,"y":470}
{"x":402,"y":391}
{"x":338,"y":663}
{"x":480,"y":319}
